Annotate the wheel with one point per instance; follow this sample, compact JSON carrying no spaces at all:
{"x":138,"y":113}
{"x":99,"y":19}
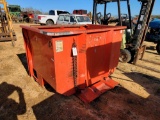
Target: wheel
{"x":158,"y":48}
{"x":125,"y":55}
{"x":49,"y":22}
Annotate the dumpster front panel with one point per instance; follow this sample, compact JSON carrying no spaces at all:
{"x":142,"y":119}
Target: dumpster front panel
{"x":97,"y":55}
{"x":42,"y":57}
{"x":69,"y":75}
{"x":81,"y":61}
{"x":65,"y":83}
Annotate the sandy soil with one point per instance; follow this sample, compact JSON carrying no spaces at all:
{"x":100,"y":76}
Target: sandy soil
{"x":138,"y":97}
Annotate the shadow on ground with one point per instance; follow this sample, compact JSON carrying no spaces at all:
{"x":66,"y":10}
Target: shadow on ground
{"x":116,"y":104}
{"x":151,"y":52}
{"x":146,"y":81}
{"x":150,"y":48}
{"x":23,"y":60}
{"x":9,"y":108}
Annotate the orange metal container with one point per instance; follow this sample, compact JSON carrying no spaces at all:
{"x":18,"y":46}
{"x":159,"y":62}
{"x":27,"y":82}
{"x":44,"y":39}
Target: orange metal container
{"x":73,"y":58}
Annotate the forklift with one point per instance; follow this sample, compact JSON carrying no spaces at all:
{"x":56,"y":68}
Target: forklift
{"x":132,"y":48}
{"x":153,"y":35}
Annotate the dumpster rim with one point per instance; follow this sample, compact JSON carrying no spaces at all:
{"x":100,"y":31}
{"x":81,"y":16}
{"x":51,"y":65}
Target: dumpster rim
{"x":62,"y":33}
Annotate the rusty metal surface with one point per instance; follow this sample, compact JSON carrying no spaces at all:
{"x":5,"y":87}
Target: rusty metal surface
{"x":139,"y":54}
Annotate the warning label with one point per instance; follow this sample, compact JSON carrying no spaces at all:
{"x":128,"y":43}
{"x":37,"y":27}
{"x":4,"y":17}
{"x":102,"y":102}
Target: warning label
{"x":59,"y":46}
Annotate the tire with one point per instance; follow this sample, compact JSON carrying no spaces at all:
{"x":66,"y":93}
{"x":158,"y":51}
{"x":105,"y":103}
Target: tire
{"x":158,"y":48}
{"x":133,"y":53}
{"x":125,"y":56}
{"x":49,"y":22}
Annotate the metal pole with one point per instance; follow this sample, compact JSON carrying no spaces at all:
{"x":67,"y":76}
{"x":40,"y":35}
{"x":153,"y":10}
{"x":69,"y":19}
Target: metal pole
{"x":105,"y":5}
{"x":129,"y":13}
{"x":119,"y":12}
{"x":93,"y":16}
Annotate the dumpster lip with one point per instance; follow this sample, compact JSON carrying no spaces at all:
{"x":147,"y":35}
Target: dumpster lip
{"x":65,"y":32}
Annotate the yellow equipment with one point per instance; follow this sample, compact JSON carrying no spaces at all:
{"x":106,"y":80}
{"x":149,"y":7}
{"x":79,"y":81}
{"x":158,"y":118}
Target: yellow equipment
{"x":6,"y":29}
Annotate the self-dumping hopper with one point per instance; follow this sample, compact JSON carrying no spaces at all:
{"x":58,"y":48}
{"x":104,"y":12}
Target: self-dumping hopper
{"x":75,"y":59}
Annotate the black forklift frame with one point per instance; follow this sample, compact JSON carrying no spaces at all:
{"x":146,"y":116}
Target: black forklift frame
{"x":138,"y":36}
{"x":95,"y":2}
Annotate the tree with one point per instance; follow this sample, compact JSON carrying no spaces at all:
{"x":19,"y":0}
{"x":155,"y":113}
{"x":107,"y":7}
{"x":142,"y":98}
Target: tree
{"x":30,"y":9}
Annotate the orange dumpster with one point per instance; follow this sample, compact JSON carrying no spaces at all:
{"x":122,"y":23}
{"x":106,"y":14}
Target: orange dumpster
{"x":75,"y":59}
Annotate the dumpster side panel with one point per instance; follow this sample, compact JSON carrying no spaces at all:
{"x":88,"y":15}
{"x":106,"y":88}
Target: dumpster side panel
{"x":42,"y":55}
{"x":28,"y":51}
{"x":115,"y":49}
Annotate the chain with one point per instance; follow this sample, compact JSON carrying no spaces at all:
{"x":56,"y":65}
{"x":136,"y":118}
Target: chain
{"x":74,"y":60}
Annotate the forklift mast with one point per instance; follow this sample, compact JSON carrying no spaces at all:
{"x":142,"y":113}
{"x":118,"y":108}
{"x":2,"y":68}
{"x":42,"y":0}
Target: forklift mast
{"x":142,"y":23}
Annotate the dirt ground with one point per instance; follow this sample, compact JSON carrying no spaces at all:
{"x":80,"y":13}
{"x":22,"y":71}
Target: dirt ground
{"x":138,"y":97}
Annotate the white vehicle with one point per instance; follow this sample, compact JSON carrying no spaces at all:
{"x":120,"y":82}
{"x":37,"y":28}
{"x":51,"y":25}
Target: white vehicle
{"x":49,"y":19}
{"x":65,"y":19}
